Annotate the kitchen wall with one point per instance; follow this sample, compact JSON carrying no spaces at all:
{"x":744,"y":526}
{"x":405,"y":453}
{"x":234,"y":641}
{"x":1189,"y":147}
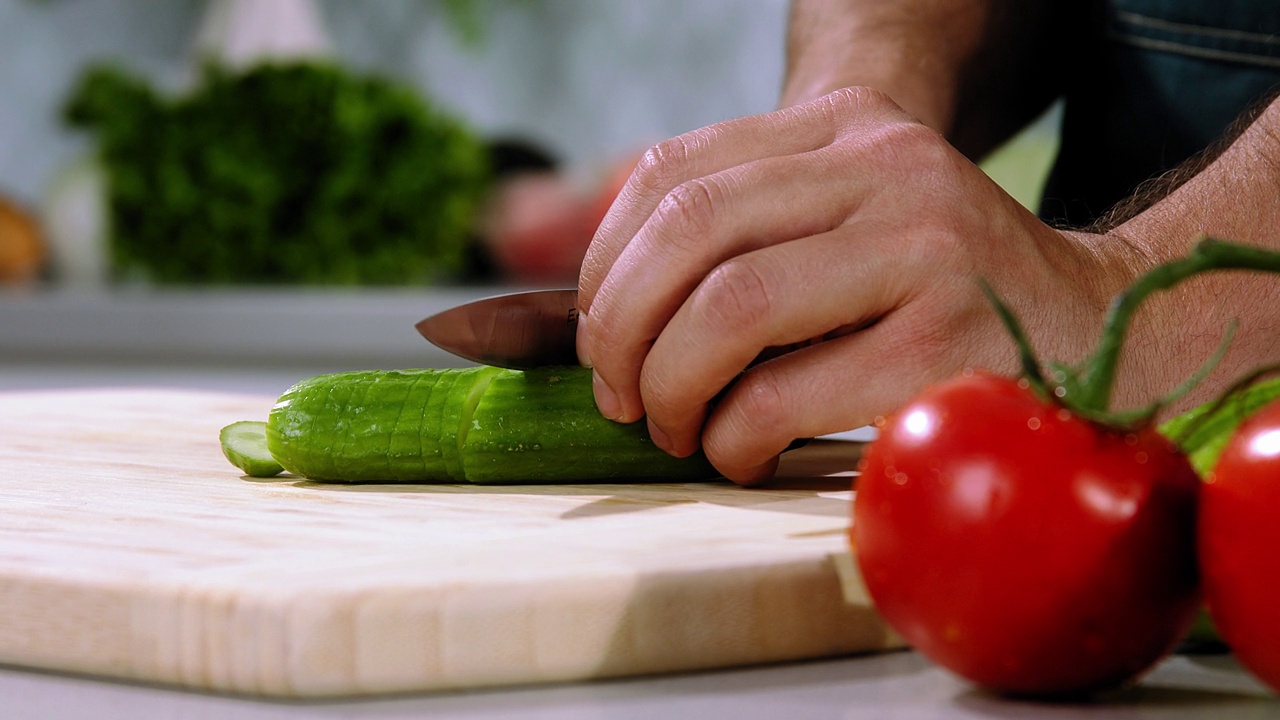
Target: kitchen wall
{"x":588,"y":79}
{"x":591,"y":80}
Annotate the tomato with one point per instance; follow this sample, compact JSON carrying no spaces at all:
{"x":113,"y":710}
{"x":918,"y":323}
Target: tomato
{"x":1022,"y":547}
{"x":1239,"y":544}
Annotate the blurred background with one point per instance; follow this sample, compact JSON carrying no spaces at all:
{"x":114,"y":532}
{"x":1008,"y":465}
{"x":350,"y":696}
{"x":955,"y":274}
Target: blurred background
{"x":237,"y":193}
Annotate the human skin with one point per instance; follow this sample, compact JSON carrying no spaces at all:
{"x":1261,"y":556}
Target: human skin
{"x":974,"y":70}
{"x":847,"y":225}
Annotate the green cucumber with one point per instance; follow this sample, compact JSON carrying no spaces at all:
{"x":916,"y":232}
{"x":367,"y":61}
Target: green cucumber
{"x":1202,"y":433}
{"x":349,"y":427}
{"x":459,"y":404}
{"x":477,"y":424}
{"x":543,"y":426}
{"x":244,"y":443}
{"x":409,"y":453}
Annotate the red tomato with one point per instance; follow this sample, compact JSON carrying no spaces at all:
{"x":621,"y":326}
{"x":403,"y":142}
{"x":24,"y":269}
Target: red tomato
{"x":1240,"y":544}
{"x":1023,"y":548}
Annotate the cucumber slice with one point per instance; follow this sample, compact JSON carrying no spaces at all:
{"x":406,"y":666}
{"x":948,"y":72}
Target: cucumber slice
{"x":407,"y":450}
{"x":458,"y":407}
{"x":433,"y":429}
{"x":244,"y":443}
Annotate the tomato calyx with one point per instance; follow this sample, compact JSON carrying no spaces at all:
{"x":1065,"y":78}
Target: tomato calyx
{"x":1086,"y":389}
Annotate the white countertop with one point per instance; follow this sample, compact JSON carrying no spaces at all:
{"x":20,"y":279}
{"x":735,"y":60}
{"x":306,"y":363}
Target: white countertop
{"x":898,"y":685}
{"x":249,"y":340}
{"x":225,"y":326}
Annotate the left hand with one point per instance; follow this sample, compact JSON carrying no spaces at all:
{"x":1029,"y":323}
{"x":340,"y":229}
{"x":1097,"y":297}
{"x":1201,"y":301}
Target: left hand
{"x":843,"y":224}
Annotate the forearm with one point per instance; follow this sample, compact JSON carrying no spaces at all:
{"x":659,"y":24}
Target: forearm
{"x":975,"y":70}
{"x":1236,"y":197}
{"x":907,"y":49}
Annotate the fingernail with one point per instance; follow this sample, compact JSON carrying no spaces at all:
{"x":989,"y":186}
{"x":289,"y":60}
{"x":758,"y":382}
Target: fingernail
{"x":659,"y":438}
{"x":606,"y":399}
{"x":581,"y":343}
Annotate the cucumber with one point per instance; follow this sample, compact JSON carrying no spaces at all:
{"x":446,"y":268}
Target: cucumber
{"x":477,"y":424}
{"x":543,"y":426}
{"x":459,"y":404}
{"x":409,"y":454}
{"x":244,"y":443}
{"x":349,"y":427}
{"x":1202,"y":432}
{"x":308,"y":410}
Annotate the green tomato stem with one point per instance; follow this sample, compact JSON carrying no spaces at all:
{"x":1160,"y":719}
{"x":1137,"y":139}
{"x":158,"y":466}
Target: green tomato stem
{"x":1097,"y":380}
{"x":1086,"y":390}
{"x":1026,"y":354}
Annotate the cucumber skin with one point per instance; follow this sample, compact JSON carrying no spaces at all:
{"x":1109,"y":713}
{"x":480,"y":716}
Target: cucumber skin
{"x":538,"y":426}
{"x":1202,"y":432}
{"x":458,"y":405}
{"x":358,"y":427}
{"x":542,"y":426}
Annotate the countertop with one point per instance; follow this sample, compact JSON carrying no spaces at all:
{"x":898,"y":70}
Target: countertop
{"x":257,"y":339}
{"x":261,"y":341}
{"x":898,"y":685}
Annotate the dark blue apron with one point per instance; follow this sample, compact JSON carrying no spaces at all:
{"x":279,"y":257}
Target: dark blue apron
{"x":1154,"y":83}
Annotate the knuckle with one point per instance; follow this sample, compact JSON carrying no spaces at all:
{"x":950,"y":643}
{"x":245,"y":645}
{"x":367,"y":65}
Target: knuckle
{"x":736,"y":297}
{"x":921,"y":142}
{"x":850,"y":106}
{"x":672,"y":161}
{"x":663,"y":165}
{"x":761,"y":407}
{"x":904,"y":147}
{"x":857,"y":97}
{"x":688,"y":212}
{"x":607,"y":335}
{"x":663,"y":400}
{"x":610,"y":337}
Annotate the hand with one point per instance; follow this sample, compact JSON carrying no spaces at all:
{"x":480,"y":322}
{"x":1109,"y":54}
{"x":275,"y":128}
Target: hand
{"x":841,"y":224}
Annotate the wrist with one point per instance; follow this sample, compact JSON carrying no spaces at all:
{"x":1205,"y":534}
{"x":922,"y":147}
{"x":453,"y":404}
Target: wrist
{"x":1236,"y":197}
{"x":904,"y":51}
{"x":1233,"y":194}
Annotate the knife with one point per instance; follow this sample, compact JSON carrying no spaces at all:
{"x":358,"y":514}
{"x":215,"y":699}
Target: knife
{"x":531,"y":329}
{"x":521,"y":330}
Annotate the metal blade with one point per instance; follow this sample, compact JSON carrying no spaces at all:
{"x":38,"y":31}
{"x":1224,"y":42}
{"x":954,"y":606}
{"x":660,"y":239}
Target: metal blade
{"x":521,"y":330}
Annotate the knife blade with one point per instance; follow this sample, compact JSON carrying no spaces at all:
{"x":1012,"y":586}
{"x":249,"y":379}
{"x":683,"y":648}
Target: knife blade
{"x":529,"y":329}
{"x":520,"y":330}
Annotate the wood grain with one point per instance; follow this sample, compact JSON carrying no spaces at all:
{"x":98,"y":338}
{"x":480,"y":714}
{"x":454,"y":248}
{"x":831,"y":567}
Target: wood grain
{"x":130,"y":548}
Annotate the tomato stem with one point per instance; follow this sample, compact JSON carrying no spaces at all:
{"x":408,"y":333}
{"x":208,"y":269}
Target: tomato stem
{"x":1026,"y":353}
{"x":1087,"y":389}
{"x":1097,"y":379}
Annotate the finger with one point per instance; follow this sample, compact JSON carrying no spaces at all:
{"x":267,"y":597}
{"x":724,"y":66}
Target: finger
{"x":777,"y":296}
{"x":702,"y":224}
{"x":673,"y":162}
{"x":789,"y":131}
{"x":830,"y":387}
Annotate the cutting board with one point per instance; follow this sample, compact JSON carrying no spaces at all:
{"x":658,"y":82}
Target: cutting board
{"x":130,"y":548}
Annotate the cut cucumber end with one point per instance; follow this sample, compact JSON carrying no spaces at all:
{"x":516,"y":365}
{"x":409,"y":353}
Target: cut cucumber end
{"x":244,"y":443}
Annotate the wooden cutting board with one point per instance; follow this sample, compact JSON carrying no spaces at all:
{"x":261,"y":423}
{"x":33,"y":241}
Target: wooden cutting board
{"x":130,"y":548}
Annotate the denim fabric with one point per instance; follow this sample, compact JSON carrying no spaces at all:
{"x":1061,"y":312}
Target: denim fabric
{"x":1154,"y":83}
